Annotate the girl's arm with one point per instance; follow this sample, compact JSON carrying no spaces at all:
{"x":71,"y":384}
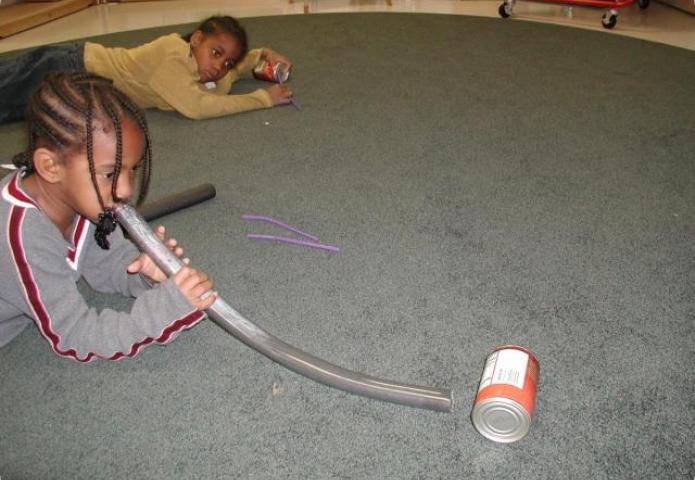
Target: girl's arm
{"x":247,"y":64}
{"x":131,"y":272}
{"x":192,"y":100}
{"x":176,"y":81}
{"x":45,"y":287}
{"x":105,"y":270}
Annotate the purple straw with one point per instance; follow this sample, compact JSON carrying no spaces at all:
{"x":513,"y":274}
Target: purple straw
{"x":293,"y":241}
{"x":265,"y":218}
{"x":295,"y":103}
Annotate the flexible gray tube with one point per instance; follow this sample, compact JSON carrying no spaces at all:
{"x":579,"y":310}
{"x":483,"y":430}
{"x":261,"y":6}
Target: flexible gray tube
{"x":177,"y":201}
{"x":287,"y":355}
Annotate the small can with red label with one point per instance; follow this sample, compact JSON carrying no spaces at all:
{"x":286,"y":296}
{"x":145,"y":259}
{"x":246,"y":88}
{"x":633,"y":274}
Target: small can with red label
{"x":506,"y":396}
{"x":271,"y":72}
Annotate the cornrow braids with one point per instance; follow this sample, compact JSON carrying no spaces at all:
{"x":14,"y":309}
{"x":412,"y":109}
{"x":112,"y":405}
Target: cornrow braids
{"x":109,"y":108}
{"x":61,"y":116}
{"x":68,"y":99}
{"x":105,"y":222}
{"x":140,"y":119}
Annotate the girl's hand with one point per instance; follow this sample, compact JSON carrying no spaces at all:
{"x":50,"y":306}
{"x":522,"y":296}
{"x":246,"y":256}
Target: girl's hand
{"x":274,"y":57}
{"x":194,"y":285}
{"x":280,"y":94}
{"x":144,"y":265}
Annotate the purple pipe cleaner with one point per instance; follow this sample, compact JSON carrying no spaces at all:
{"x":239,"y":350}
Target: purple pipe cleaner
{"x":265,"y":218}
{"x":295,"y":103}
{"x":293,"y":241}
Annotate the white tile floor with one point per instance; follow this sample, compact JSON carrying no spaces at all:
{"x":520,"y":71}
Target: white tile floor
{"x":658,"y":23}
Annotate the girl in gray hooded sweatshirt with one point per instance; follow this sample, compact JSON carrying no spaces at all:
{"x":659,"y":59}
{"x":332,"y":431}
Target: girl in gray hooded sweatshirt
{"x":88,"y":149}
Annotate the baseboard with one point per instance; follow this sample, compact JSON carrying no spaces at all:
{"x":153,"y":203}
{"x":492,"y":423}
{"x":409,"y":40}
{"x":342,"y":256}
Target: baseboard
{"x":18,"y":17}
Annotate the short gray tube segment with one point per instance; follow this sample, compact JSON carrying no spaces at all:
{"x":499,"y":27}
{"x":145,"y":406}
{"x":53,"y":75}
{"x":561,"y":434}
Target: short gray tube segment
{"x":287,"y":355}
{"x":177,"y":201}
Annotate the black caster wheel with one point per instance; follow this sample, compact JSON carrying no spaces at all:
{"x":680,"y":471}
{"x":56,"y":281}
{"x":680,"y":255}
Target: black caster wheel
{"x":609,"y":20}
{"x":504,"y":11}
{"x":643,"y":4}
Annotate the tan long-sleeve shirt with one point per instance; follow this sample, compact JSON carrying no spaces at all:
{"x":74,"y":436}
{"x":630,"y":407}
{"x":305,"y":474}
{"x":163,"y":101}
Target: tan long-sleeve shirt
{"x":163,"y":74}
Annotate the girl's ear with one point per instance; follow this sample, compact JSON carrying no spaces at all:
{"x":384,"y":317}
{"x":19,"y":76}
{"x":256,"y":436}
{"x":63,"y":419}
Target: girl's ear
{"x":48,"y":165}
{"x":196,"y":38}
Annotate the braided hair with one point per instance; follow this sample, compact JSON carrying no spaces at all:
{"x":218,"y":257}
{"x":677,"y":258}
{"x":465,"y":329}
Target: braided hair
{"x":60,"y":116}
{"x":223,"y":24}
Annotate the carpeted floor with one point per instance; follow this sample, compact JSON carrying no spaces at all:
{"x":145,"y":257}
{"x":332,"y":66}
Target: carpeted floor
{"x":488,"y":182}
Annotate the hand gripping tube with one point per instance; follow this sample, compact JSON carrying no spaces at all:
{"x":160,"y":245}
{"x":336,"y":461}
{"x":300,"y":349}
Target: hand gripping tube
{"x":284,"y":354}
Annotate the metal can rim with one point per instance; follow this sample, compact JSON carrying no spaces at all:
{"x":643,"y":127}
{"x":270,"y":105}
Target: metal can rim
{"x":483,"y":407}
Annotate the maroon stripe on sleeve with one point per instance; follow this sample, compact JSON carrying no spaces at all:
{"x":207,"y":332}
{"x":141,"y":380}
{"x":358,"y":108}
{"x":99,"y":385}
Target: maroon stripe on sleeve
{"x":43,"y":319}
{"x":31,"y":290}
{"x":181,"y":324}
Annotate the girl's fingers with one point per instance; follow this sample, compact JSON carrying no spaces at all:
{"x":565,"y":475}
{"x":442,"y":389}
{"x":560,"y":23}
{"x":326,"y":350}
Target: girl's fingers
{"x":205,"y":286}
{"x":135,"y":265}
{"x":194,"y":280}
{"x":207,"y":302}
{"x":194,"y":285}
{"x":172,"y":244}
{"x":199,"y":292}
{"x":180,"y":276}
{"x":202,"y":295}
{"x":189,"y":280}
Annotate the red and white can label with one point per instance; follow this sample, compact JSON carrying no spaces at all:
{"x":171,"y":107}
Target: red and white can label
{"x":505,"y":367}
{"x":271,"y":72}
{"x":510,"y":372}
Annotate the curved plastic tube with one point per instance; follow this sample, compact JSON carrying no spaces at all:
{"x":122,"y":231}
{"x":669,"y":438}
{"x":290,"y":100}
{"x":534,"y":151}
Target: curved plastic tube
{"x":287,"y":355}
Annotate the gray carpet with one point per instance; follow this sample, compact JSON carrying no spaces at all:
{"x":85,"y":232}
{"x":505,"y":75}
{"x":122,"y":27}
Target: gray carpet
{"x":489,"y":182}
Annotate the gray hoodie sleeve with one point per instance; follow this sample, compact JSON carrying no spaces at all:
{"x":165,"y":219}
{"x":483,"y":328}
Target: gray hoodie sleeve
{"x":106,"y":270}
{"x":47,"y":293}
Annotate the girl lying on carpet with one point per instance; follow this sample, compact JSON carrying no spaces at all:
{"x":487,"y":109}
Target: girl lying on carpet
{"x":192,"y":74}
{"x":88,"y":148}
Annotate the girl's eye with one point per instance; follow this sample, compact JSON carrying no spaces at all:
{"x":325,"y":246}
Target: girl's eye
{"x":215,"y":52}
{"x":228,"y":64}
{"x":108,"y":176}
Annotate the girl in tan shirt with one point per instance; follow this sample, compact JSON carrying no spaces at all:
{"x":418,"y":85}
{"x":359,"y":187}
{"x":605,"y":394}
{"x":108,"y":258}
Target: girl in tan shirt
{"x":192,"y":75}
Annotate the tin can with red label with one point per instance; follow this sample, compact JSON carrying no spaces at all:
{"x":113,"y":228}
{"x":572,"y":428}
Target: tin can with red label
{"x":506,"y":396}
{"x":271,"y":72}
